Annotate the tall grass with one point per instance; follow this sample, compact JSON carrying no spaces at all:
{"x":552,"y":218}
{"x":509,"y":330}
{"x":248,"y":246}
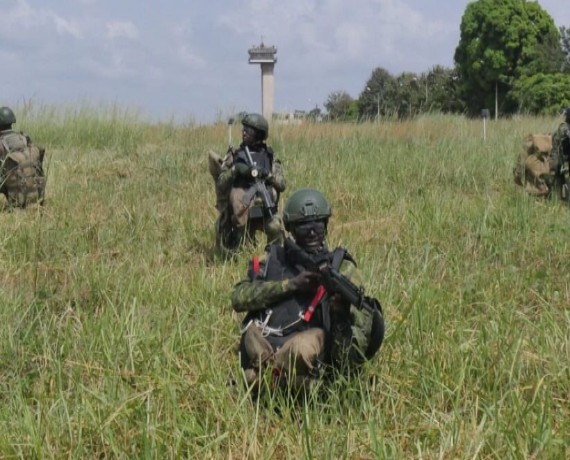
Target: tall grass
{"x":117,"y":338}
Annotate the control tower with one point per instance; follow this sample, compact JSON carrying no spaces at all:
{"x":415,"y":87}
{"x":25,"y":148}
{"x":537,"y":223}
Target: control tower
{"x":265,"y":57}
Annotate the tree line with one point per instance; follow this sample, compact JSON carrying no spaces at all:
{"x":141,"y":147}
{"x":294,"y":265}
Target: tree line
{"x":511,"y":58}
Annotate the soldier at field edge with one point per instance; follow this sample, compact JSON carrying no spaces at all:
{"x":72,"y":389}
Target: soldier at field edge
{"x":561,"y":144}
{"x":22,"y":179}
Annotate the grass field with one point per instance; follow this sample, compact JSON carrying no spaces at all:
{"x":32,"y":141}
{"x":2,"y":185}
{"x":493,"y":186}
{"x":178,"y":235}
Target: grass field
{"x":117,"y":337}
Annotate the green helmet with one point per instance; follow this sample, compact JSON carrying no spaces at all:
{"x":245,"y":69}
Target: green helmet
{"x":305,"y":205}
{"x":7,"y":117}
{"x":257,"y":122}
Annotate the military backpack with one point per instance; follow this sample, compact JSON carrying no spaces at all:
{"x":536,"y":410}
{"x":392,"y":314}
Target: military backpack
{"x":22,"y":178}
{"x":538,"y":146}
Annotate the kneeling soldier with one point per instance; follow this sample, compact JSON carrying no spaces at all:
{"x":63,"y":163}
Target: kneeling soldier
{"x":306,"y":307}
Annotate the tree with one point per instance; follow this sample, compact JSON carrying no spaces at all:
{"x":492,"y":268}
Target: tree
{"x":315,"y":114}
{"x":544,"y":94}
{"x":340,"y":106}
{"x":409,"y":94}
{"x":372,"y":100}
{"x":441,"y":93}
{"x":500,"y":41}
{"x":565,"y":44}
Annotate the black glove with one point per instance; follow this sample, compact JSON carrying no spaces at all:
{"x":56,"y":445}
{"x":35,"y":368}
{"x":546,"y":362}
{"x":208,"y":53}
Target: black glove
{"x":270,"y":179}
{"x":305,"y":281}
{"x":263,"y":173}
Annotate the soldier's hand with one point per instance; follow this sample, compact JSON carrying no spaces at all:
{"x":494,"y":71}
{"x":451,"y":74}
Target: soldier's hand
{"x":262,"y":173}
{"x":305,"y":281}
{"x":242,"y":169}
{"x":270,"y":179}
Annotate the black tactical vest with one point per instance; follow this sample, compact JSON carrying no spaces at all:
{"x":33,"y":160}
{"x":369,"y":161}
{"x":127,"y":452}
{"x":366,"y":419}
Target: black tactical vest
{"x":286,"y":314}
{"x":262,"y":157}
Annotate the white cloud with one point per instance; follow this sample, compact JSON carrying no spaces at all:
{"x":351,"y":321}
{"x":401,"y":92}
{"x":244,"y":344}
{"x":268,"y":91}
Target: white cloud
{"x":114,"y":67}
{"x":190,"y":58}
{"x":120,"y":29}
{"x":23,"y":16}
{"x":65,"y":27}
{"x":352,"y":39}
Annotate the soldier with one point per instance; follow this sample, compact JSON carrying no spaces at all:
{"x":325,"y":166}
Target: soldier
{"x":306,"y":309}
{"x":560,"y":155}
{"x":22,"y":178}
{"x":240,"y":207}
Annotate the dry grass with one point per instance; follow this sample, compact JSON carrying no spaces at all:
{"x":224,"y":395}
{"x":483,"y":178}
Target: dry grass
{"x":117,"y":338}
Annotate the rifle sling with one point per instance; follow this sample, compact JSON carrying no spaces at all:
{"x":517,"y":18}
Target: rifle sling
{"x":338,"y":257}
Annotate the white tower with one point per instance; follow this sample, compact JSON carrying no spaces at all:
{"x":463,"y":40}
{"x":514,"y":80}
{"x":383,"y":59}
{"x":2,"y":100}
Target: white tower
{"x":265,"y":57}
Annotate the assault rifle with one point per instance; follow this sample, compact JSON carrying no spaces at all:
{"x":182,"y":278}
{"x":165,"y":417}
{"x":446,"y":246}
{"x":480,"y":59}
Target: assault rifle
{"x":327,"y":266}
{"x":258,"y":188}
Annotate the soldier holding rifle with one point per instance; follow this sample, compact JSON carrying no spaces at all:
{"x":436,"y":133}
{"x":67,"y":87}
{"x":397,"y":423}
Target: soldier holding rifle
{"x":307,"y":312}
{"x":248,"y":186}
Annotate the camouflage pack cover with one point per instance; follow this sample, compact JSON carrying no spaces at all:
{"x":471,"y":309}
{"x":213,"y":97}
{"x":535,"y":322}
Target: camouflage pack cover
{"x":217,"y":165}
{"x":223,"y":226}
{"x":532,"y":168}
{"x":538,"y":144}
{"x":21,"y":172}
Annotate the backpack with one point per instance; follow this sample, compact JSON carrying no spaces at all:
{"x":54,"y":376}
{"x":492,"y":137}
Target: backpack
{"x":539,"y":145}
{"x":21,"y":171}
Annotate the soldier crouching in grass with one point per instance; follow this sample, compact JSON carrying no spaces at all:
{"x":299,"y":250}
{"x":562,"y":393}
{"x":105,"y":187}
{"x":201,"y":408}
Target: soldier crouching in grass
{"x":307,"y":315}
{"x":22,"y":179}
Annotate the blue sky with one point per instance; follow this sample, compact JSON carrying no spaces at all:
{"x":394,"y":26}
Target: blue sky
{"x":187,"y":60}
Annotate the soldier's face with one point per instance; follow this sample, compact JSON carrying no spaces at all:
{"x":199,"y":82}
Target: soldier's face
{"x":310,"y":235}
{"x":248,"y":135}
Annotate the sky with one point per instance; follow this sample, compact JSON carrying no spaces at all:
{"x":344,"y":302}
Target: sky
{"x":187,"y":60}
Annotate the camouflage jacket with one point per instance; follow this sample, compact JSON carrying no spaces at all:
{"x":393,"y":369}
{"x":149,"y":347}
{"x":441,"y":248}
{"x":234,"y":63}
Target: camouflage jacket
{"x":560,"y":145}
{"x":229,"y":177}
{"x":351,"y":328}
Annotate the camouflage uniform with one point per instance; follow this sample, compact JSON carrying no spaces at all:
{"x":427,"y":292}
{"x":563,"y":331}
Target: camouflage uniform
{"x":560,"y":146}
{"x":231,"y":188}
{"x":337,"y":334}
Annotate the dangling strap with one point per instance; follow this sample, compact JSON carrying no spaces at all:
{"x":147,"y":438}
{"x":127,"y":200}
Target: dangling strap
{"x":338,"y":257}
{"x":255,"y":265}
{"x":321,"y":291}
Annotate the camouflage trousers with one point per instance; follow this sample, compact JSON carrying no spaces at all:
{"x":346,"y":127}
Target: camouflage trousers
{"x":537,"y":173}
{"x":273,"y":228}
{"x":294,"y":360}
